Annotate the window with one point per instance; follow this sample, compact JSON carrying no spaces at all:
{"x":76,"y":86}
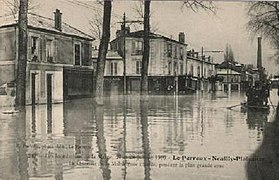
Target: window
{"x":137,"y":47}
{"x":34,"y":48}
{"x":77,"y":53}
{"x":204,"y":73}
{"x":49,"y":50}
{"x":181,"y":53}
{"x":175,"y":68}
{"x":138,"y":67}
{"x":169,"y":50}
{"x":198,"y":71}
{"x":175,"y":51}
{"x":169,"y":68}
{"x":181,"y":68}
{"x":165,"y":49}
{"x":191,"y":69}
{"x":113,"y":68}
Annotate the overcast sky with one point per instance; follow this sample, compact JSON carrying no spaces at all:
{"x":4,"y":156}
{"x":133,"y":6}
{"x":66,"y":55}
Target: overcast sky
{"x":202,"y":29}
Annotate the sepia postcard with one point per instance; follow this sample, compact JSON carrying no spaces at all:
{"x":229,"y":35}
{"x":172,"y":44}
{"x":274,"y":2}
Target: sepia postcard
{"x":143,"y":89}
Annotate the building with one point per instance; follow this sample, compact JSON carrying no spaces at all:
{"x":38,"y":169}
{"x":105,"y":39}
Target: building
{"x":59,"y":59}
{"x":171,"y":66}
{"x":167,"y":63}
{"x":199,"y":71}
{"x":113,"y":75}
{"x":235,"y":76}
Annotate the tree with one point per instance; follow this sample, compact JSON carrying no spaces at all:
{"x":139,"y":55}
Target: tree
{"x":96,"y":25}
{"x":195,"y":5}
{"x":229,"y":56}
{"x":146,"y":48}
{"x":139,"y":10}
{"x":102,"y":53}
{"x":13,"y":6}
{"x":22,"y":54}
{"x":264,"y":20}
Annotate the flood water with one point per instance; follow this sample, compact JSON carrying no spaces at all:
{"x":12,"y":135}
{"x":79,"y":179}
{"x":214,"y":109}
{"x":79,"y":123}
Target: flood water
{"x":168,"y":137}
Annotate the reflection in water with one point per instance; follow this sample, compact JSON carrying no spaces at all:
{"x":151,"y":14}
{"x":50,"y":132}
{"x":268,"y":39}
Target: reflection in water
{"x":268,"y":168}
{"x":21,"y":145}
{"x":257,"y":119}
{"x":101,"y":143}
{"x":33,"y":121}
{"x":145,"y":138}
{"x":49,"y":118}
{"x":64,"y":141}
{"x":124,"y":138}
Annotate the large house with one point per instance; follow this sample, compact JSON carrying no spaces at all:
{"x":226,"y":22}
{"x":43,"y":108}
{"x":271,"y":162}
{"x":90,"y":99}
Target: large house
{"x":167,"y":59}
{"x":171,"y":66}
{"x":59,"y":59}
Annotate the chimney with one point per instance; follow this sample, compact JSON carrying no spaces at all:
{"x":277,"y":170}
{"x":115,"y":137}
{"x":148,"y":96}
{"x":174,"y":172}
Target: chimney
{"x":123,"y":30}
{"x":58,"y":20}
{"x":181,"y":37}
{"x":259,"y":55}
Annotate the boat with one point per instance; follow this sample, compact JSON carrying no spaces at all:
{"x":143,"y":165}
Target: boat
{"x":244,"y":105}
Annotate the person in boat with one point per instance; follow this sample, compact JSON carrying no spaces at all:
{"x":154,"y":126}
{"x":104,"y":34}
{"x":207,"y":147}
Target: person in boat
{"x":266,"y":93}
{"x":257,"y":95}
{"x":250,"y":93}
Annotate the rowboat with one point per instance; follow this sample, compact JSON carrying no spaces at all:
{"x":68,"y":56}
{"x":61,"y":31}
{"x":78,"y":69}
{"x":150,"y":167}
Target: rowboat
{"x":244,"y":105}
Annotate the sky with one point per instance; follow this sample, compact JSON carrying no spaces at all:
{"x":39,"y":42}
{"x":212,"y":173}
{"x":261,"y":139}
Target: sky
{"x":202,"y":29}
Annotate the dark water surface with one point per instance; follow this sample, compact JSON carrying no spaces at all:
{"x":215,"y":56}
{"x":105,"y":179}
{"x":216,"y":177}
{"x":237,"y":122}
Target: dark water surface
{"x":169,"y":137}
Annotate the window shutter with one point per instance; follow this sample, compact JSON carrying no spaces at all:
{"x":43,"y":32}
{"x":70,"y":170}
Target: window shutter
{"x":54,"y":50}
{"x":82,"y":54}
{"x":29,"y":48}
{"x":40,"y":50}
{"x":133,"y":45}
{"x":86,"y":54}
{"x":165,"y":49}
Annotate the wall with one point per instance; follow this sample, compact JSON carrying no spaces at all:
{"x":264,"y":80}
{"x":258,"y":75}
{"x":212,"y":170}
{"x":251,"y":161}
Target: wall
{"x":7,"y":54}
{"x":8,"y":44}
{"x":119,"y":67}
{"x":63,"y":47}
{"x":42,"y":71}
{"x":158,"y":60}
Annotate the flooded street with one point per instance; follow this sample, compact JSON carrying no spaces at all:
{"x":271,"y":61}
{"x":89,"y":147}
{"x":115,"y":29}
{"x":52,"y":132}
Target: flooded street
{"x":169,"y":137}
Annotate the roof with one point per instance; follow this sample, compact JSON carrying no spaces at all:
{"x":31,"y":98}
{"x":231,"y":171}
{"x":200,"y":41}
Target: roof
{"x":227,"y":72}
{"x":140,"y":34}
{"x":112,"y":55}
{"x":44,"y":23}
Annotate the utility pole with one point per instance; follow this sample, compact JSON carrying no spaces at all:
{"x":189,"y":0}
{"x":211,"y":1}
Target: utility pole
{"x":202,"y":61}
{"x":123,"y":27}
{"x":124,"y":56}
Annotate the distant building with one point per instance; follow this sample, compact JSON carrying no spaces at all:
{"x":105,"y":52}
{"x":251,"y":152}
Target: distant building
{"x":59,"y":59}
{"x":199,"y":70}
{"x":113,"y":74}
{"x":235,"y":76}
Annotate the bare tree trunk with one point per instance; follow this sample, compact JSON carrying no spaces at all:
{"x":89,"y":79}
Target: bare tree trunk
{"x":22,"y":54}
{"x":103,"y":48}
{"x":146,"y":46}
